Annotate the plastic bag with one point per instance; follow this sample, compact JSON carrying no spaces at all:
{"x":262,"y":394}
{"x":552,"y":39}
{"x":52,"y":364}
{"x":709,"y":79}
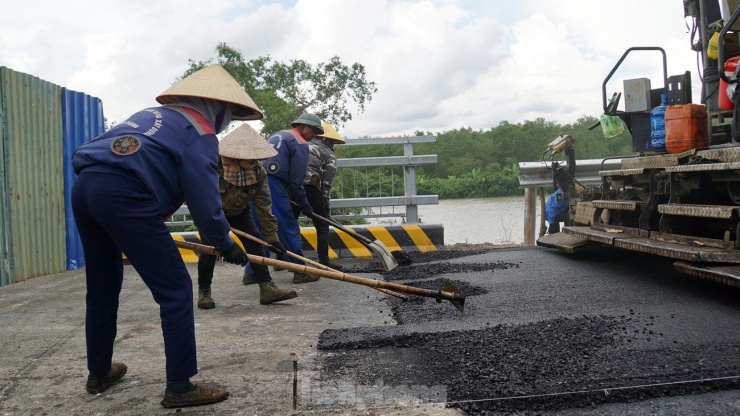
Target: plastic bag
{"x":555,"y":205}
{"x":611,"y":126}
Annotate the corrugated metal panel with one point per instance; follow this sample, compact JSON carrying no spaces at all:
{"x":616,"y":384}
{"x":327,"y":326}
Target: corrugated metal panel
{"x":6,"y":275}
{"x":82,"y":120}
{"x":34,"y":176}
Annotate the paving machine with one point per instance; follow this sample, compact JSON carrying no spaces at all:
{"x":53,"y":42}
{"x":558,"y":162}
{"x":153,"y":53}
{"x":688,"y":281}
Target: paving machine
{"x":682,"y":204}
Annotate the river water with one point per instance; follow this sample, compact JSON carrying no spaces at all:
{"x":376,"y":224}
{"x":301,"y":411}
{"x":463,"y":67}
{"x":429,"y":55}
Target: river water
{"x":478,"y":220}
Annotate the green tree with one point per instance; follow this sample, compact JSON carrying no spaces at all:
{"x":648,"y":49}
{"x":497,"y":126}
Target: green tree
{"x":286,"y":90}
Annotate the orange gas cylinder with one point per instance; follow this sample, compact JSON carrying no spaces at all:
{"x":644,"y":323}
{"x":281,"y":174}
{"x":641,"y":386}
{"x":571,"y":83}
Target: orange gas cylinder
{"x":686,"y":128}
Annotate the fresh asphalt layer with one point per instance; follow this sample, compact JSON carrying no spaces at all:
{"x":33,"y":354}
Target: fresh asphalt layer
{"x":536,"y":323}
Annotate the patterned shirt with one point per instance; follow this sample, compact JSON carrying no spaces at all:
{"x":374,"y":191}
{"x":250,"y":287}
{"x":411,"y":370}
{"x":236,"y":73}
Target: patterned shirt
{"x":236,"y":199}
{"x":322,"y":167}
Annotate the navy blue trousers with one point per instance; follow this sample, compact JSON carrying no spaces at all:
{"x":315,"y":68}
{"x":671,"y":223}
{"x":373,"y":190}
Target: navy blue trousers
{"x":115,"y":213}
{"x":289,"y":231}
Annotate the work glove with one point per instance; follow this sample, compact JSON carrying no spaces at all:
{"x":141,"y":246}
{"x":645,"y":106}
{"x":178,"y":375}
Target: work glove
{"x":235,"y":255}
{"x":307,"y":211}
{"x":277,"y":246}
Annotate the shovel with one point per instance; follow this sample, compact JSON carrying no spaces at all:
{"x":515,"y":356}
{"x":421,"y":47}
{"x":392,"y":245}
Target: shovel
{"x":448,"y":292}
{"x":306,"y":260}
{"x":377,"y":247}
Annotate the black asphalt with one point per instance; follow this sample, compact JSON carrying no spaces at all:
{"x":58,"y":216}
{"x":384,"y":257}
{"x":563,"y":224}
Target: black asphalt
{"x":603,"y":332}
{"x":546,"y":332}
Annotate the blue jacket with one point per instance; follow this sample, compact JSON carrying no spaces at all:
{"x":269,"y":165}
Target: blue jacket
{"x":291,"y":162}
{"x":175,"y":157}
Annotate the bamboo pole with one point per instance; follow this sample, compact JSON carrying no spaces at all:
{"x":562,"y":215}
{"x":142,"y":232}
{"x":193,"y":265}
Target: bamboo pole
{"x":306,"y":260}
{"x":452,"y":294}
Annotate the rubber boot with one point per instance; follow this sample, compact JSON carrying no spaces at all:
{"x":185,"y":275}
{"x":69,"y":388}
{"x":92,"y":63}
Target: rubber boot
{"x":304,"y":278}
{"x":205,"y":301}
{"x":269,"y":293}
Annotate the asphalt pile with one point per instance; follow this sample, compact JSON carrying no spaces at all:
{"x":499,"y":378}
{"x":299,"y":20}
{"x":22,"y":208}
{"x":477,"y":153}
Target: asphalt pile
{"x":548,"y":365}
{"x":543,"y":366}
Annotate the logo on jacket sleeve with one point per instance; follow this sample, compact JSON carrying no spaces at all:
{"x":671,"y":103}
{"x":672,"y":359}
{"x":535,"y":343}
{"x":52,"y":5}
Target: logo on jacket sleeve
{"x":125,"y":145}
{"x":272,"y":168}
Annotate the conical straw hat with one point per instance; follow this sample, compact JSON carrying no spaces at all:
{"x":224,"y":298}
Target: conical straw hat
{"x":245,"y":143}
{"x":213,"y":82}
{"x":330,"y":133}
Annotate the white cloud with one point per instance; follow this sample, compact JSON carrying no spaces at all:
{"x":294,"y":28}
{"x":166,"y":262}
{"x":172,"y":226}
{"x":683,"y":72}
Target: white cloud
{"x":438,"y":64}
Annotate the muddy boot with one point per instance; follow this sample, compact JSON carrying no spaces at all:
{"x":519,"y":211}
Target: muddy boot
{"x":249,"y":279}
{"x":198,"y":396}
{"x":205,"y":301}
{"x":304,"y":278}
{"x":325,"y":262}
{"x":269,"y":293}
{"x":97,"y":385}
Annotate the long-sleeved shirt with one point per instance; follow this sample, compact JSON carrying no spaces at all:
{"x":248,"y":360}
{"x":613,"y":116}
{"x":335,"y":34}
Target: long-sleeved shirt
{"x":236,"y":199}
{"x":291,"y":162}
{"x":322,"y":167}
{"x":173,"y":152}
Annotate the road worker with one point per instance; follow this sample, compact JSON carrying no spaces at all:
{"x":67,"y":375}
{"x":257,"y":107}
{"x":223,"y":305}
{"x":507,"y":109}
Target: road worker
{"x":285,"y":174}
{"x":133,"y":177}
{"x":242,"y":180}
{"x":322,"y":168}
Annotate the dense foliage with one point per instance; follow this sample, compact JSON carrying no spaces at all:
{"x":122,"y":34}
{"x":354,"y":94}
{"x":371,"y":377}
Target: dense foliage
{"x":485,"y":163}
{"x":285,"y":90}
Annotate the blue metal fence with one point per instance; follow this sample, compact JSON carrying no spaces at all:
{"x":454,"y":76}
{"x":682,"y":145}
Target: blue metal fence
{"x":82,"y":120}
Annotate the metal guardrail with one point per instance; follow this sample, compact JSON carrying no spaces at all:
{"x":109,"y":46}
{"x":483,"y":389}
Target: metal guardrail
{"x":408,"y":161}
{"x":539,"y":174}
{"x":409,"y":200}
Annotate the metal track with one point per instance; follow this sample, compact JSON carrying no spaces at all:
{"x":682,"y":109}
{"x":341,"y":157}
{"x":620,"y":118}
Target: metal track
{"x":618,"y":204}
{"x":622,"y":172}
{"x":703,"y":211}
{"x":726,"y":274}
{"x":658,"y":161}
{"x":621,"y":239}
{"x":563,"y":242}
{"x":704,"y":167}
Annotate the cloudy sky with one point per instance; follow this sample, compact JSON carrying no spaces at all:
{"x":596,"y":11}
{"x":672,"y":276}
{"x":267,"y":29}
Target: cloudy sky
{"x":438,"y":64}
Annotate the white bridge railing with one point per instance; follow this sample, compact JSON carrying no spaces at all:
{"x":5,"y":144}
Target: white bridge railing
{"x":409,"y":200}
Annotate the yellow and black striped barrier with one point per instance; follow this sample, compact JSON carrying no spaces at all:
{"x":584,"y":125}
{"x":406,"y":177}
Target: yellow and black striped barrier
{"x":408,"y":237}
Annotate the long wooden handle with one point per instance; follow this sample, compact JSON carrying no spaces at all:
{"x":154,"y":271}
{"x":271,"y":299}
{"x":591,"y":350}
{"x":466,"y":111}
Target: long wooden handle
{"x":336,"y":275}
{"x":201,"y":248}
{"x":307,"y":260}
{"x":359,"y":237}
